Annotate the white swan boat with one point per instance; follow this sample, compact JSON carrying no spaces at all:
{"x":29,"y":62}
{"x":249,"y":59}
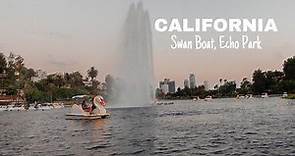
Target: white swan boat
{"x":95,"y":111}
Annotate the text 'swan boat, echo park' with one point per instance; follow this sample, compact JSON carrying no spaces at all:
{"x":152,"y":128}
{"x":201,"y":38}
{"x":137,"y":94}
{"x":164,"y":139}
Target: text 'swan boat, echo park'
{"x":88,"y":108}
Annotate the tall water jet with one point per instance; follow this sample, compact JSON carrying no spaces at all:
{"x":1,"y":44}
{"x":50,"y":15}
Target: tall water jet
{"x":135,"y":75}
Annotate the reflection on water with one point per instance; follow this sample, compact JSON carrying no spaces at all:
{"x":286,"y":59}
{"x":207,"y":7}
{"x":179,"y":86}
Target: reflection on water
{"x":217,"y":127}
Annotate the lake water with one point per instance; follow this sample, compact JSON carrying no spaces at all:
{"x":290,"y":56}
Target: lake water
{"x":218,"y":127}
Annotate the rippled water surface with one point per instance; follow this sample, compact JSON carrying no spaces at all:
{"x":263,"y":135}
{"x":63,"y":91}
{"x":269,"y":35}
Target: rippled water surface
{"x":217,"y":127}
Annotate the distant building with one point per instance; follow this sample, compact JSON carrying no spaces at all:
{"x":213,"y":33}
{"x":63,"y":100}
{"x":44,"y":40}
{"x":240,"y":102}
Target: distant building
{"x":192,"y":81}
{"x":87,"y":83}
{"x":158,"y":92}
{"x":40,"y":74}
{"x":206,"y":85}
{"x":185,"y":83}
{"x":167,"y":86}
{"x":171,"y":85}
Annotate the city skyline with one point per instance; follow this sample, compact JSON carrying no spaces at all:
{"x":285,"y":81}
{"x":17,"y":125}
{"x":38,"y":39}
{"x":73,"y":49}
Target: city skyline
{"x":168,"y":85}
{"x":78,"y":35}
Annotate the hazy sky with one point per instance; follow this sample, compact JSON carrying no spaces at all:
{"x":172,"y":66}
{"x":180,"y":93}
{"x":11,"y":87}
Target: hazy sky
{"x":70,"y":35}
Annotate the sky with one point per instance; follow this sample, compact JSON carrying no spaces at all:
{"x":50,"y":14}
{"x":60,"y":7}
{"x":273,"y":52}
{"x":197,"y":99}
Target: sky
{"x":73,"y":35}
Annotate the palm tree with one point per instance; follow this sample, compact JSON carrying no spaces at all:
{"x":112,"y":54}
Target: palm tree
{"x":92,"y":73}
{"x":220,"y":81}
{"x":225,"y":80}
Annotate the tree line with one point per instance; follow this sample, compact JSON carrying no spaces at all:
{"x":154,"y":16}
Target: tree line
{"x":271,"y":82}
{"x":18,"y":80}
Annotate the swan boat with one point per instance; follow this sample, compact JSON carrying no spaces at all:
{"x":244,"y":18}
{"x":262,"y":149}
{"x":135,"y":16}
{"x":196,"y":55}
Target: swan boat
{"x":88,"y":108}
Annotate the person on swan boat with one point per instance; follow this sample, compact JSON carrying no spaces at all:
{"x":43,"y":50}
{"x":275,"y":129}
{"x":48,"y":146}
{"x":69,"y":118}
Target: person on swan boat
{"x":87,"y":107}
{"x":89,"y":104}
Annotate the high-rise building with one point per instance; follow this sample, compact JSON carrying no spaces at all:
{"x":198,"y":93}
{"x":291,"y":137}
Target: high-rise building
{"x":171,"y":85}
{"x":206,"y":85}
{"x":192,"y":81}
{"x":161,"y":83}
{"x":167,"y":86}
{"x":185,"y":83}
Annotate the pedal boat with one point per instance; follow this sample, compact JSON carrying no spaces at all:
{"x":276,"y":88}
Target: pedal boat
{"x":77,"y":112}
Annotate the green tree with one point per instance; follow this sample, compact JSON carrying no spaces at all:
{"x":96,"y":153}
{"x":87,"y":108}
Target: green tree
{"x":289,"y":68}
{"x":3,"y":63}
{"x":58,"y":80}
{"x":288,"y":86}
{"x":92,"y":73}
{"x":187,"y":91}
{"x":76,"y":80}
{"x":228,"y":89}
{"x":272,"y":81}
{"x":10,"y":69}
{"x":259,"y":81}
{"x":245,"y":86}
{"x":26,"y":74}
{"x":159,"y":94}
{"x":215,"y":87}
{"x":18,"y":63}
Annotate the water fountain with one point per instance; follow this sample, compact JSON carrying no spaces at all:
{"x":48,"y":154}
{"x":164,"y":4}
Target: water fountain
{"x":136,"y":65}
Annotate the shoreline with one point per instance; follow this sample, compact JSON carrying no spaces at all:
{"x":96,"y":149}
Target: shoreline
{"x":291,"y":96}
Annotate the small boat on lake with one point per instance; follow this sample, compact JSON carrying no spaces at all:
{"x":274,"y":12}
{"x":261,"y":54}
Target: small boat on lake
{"x":285,"y":94}
{"x":45,"y":106}
{"x":240,"y":97}
{"x":88,"y":108}
{"x":196,"y":98}
{"x":208,"y":98}
{"x":264,"y":95}
{"x":249,"y":96}
{"x":165,"y":103}
{"x":13,"y":108}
